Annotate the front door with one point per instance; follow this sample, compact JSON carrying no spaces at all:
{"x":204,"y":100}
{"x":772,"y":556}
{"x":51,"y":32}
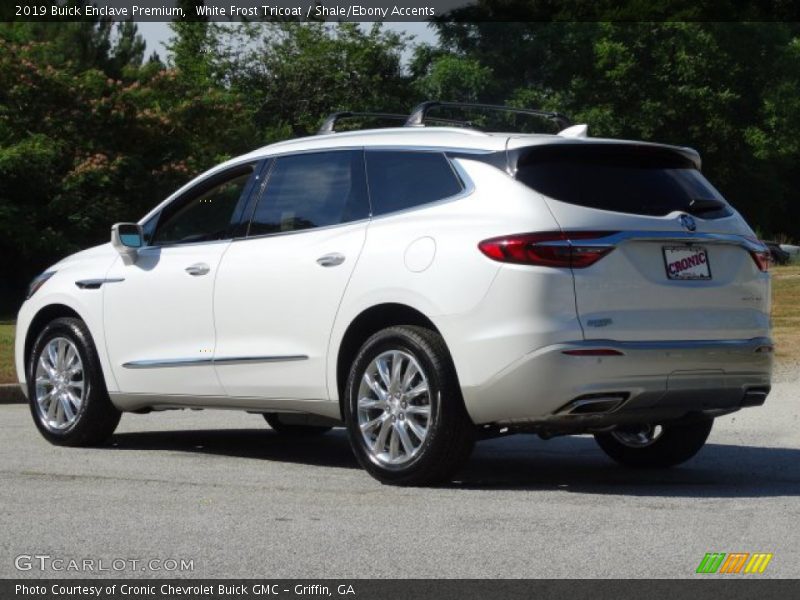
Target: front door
{"x":158,"y":314}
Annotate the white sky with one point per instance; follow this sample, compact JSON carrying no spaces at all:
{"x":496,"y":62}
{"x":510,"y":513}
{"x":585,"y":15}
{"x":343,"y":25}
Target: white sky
{"x":157,"y":34}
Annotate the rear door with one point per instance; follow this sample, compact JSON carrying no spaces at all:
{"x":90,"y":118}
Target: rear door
{"x":279,"y":288}
{"x":683,"y":264}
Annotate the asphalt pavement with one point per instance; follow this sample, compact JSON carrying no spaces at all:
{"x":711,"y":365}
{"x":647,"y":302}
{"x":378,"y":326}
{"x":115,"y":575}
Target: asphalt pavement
{"x":220,"y":489}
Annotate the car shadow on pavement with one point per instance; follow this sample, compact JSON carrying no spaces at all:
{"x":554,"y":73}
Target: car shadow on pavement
{"x":576,"y":464}
{"x":521,"y":462}
{"x":329,"y":450}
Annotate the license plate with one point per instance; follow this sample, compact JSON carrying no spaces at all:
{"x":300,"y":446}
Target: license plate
{"x":686,"y":262}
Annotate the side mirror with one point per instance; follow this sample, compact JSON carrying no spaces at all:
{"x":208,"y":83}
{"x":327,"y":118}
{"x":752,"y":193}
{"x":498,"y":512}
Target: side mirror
{"x":127,"y":238}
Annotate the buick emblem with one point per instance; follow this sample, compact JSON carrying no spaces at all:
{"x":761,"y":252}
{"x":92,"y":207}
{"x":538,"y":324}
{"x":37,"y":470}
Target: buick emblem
{"x":688,"y":222}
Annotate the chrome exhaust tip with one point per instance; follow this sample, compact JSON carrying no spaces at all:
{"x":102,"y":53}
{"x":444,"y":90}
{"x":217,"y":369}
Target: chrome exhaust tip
{"x":755,"y":396}
{"x":593,"y":404}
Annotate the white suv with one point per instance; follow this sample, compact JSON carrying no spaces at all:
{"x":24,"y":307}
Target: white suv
{"x":425,"y":287}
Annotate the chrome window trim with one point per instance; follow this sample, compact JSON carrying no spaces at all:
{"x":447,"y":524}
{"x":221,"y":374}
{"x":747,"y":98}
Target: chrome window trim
{"x":257,"y":157}
{"x":299,"y":231}
{"x":187,"y":245}
{"x":189,"y":362}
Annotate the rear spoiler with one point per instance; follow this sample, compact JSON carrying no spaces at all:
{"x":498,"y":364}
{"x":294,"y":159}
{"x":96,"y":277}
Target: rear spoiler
{"x":573,"y":142}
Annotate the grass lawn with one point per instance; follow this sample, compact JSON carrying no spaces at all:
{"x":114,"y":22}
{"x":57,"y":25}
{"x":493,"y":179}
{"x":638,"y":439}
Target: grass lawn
{"x":785,"y":323}
{"x":7,"y":372}
{"x":786,"y":312}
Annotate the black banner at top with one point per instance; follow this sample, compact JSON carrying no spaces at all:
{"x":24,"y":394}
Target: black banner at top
{"x":400,"y":10}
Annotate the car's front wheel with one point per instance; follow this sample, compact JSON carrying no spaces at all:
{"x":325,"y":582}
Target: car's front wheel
{"x":404,"y":412}
{"x":66,"y":389}
{"x":656,"y":446}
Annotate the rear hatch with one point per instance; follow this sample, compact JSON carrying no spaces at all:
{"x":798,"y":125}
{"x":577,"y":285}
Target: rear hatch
{"x":681,"y":263}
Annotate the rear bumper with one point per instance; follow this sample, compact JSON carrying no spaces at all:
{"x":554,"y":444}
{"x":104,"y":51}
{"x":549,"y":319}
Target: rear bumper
{"x":645,"y":381}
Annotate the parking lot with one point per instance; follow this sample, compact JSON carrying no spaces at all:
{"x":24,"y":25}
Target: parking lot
{"x":222,"y":490}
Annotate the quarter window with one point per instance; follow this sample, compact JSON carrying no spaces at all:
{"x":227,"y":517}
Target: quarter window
{"x":305,"y":191}
{"x":204,"y":213}
{"x":400,"y":180}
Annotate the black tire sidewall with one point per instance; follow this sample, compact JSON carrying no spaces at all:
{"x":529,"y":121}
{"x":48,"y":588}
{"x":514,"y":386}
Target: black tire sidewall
{"x":679,"y":442}
{"x":396,"y":338}
{"x":94,"y":385}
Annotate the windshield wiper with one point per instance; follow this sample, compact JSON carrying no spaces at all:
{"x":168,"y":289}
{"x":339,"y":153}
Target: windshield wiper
{"x":699,"y":206}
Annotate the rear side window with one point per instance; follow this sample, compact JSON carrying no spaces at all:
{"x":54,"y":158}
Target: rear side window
{"x":628,"y":179}
{"x":400,"y":180}
{"x":305,"y":191}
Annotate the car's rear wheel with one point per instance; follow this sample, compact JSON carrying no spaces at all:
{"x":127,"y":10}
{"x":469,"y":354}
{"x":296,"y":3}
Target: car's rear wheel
{"x":656,"y":446}
{"x":403,"y":408}
{"x":294,"y":429}
{"x":66,"y":389}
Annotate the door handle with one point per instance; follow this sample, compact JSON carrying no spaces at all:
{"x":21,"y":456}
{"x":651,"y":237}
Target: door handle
{"x":198,"y":269}
{"x":331,"y":260}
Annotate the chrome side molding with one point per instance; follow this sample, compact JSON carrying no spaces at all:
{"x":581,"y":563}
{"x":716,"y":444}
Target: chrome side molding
{"x":232,"y":360}
{"x":166,"y":363}
{"x":191,"y":362}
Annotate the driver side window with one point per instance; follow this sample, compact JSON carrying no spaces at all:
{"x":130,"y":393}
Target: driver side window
{"x":204,"y":213}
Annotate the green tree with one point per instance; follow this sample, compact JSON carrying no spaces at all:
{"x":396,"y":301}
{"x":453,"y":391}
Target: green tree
{"x":82,"y":45}
{"x":83,"y":146}
{"x":294,"y":74}
{"x":727,"y":89}
{"x":194,"y":46}
{"x":455,"y":78}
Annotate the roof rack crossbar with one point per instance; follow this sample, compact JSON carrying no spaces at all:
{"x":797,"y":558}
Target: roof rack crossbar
{"x":328,"y":126}
{"x":454,"y":122}
{"x":420,"y":112}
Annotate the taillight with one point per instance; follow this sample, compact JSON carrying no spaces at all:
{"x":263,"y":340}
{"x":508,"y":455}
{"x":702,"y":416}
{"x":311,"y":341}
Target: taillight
{"x":548,"y":249}
{"x":762,"y":259}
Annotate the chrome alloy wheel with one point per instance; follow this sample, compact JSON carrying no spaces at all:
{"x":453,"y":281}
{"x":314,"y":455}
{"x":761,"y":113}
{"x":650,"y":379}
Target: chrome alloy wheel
{"x":394,"y":408}
{"x":60,"y":384}
{"x":640,"y":438}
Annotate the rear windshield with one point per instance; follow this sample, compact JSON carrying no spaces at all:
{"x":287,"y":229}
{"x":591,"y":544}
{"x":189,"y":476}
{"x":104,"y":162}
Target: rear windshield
{"x":629,"y":179}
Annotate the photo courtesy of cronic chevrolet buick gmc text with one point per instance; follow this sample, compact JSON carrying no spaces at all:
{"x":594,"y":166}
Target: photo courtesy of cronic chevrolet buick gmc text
{"x":423,"y":286}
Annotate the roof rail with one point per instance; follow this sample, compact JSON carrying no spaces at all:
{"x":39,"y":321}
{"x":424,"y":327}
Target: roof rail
{"x":418,"y":115}
{"x":330,"y":123}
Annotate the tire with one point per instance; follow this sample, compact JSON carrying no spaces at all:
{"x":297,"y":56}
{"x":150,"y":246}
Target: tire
{"x":438,"y":434}
{"x":73,"y":384}
{"x":677,"y":443}
{"x":292,"y":429}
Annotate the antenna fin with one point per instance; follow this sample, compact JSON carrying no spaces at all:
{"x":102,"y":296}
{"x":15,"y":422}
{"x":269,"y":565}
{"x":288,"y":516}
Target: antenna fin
{"x":575,"y":131}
